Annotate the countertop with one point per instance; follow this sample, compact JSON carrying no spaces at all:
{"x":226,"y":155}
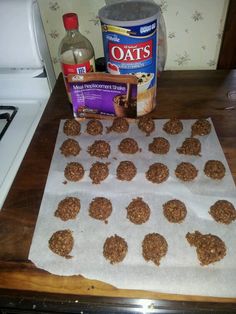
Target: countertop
{"x":182,"y":94}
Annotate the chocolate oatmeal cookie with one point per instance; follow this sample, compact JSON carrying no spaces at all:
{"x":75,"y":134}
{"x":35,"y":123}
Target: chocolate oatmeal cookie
{"x":61,"y":243}
{"x":99,"y":149}
{"x":223,"y":211}
{"x":94,"y":127}
{"x":128,"y":146}
{"x":154,"y":247}
{"x":115,"y":249}
{"x":70,"y":147}
{"x":71,"y":127}
{"x":186,"y":171}
{"x":68,"y":208}
{"x":119,"y":125}
{"x":214,"y":169}
{"x":190,"y":146}
{"x":98,"y":172}
{"x":175,"y":211}
{"x":157,"y":173}
{"x":74,"y":171}
{"x":100,"y":208}
{"x":201,"y":127}
{"x":146,"y":125}
{"x":173,"y":126}
{"x":126,"y":171}
{"x":210,"y":248}
{"x":159,"y":145}
{"x":138,"y":211}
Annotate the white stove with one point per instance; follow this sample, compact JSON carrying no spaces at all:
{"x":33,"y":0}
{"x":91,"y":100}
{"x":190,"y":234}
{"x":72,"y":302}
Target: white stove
{"x":26,"y":81}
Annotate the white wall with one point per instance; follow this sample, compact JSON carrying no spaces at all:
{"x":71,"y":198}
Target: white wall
{"x":193,"y":27}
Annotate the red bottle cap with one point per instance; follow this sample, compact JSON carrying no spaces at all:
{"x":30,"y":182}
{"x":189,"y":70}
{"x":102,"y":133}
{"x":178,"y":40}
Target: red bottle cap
{"x":70,"y":21}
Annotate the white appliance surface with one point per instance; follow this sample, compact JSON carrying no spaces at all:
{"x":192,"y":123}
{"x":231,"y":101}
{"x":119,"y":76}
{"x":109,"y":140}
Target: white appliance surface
{"x":16,"y":140}
{"x":17,"y":21}
{"x":26,"y":81}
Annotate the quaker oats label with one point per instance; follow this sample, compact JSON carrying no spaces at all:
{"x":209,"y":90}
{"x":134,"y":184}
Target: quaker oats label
{"x":133,"y":50}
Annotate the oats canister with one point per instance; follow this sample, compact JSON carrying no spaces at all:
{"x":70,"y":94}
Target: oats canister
{"x":130,"y":41}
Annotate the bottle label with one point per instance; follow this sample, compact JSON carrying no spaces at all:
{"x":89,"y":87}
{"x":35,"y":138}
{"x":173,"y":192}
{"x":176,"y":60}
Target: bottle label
{"x":85,"y":67}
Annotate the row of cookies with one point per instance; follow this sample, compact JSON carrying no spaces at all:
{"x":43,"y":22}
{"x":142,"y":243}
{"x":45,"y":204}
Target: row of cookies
{"x":210,"y":248}
{"x":156,"y":173}
{"x":145,"y":124}
{"x":138,"y":211}
{"x":159,"y":145}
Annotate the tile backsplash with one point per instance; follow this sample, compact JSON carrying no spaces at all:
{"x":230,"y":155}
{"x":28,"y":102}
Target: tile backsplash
{"x":193,"y":29}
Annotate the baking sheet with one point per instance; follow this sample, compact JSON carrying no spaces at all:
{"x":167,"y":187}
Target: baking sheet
{"x":179,"y":271}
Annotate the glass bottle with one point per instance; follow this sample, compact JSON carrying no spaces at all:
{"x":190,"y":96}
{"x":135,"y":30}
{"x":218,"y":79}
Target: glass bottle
{"x":76,"y":53}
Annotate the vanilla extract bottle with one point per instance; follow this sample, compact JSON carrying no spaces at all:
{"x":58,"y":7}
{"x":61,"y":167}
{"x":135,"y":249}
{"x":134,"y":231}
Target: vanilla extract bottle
{"x":76,"y":53}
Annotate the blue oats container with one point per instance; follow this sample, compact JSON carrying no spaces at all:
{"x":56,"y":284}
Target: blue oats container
{"x":130,"y":41}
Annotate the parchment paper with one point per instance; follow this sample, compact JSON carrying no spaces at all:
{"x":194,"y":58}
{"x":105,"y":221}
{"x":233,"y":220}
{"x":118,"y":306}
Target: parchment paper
{"x":180,"y":271}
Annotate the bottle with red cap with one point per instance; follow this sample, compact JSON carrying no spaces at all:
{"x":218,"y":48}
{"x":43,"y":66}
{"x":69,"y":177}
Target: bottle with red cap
{"x":76,"y":53}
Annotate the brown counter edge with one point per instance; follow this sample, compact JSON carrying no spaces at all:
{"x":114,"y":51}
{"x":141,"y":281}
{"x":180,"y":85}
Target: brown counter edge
{"x":36,"y":280}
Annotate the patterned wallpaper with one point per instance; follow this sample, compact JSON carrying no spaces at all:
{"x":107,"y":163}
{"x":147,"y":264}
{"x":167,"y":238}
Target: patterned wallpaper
{"x":193,"y":29}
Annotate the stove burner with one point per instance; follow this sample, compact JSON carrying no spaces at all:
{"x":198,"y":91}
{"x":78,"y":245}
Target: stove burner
{"x":8,"y":115}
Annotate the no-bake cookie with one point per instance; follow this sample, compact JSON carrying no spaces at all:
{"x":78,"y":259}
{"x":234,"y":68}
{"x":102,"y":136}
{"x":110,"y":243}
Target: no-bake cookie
{"x":74,"y":171}
{"x":128,"y":146}
{"x":100,"y":208}
{"x":68,"y":208}
{"x":159,"y":145}
{"x":175,"y":211}
{"x":190,"y":146}
{"x":126,"y":171}
{"x":98,"y":172}
{"x":157,"y":173}
{"x":71,"y":127}
{"x":61,"y":243}
{"x":201,"y":127}
{"x":138,"y":212}
{"x":223,"y":211}
{"x":209,"y":247}
{"x":186,"y":171}
{"x":99,"y":149}
{"x":173,"y":126}
{"x":214,"y":169}
{"x":119,"y":125}
{"x":94,"y":127}
{"x":115,"y":249}
{"x":154,"y":247}
{"x":146,"y":125}
{"x":70,"y":147}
